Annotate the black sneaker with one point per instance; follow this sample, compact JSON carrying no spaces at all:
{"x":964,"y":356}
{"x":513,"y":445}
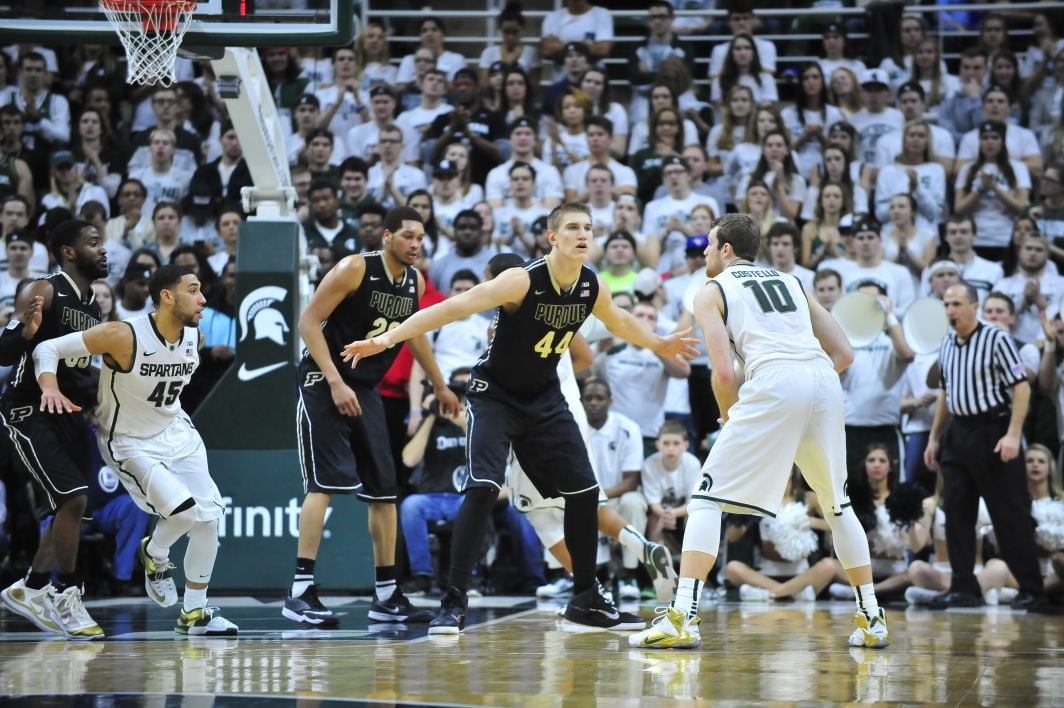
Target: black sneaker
{"x":451,"y":619}
{"x":398,"y":609}
{"x":418,"y":585}
{"x":307,"y":608}
{"x":591,"y":609}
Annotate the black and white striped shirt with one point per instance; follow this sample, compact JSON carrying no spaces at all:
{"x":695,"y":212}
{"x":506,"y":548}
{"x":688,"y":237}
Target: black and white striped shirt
{"x":979,"y":374}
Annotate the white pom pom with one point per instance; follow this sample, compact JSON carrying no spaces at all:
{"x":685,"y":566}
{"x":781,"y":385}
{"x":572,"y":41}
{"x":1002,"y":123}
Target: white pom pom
{"x":1049,"y":514}
{"x":789,"y":532}
{"x":887,"y":539}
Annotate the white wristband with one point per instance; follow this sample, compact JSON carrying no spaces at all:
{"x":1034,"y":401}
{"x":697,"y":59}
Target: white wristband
{"x":892,"y":321}
{"x":47,"y":354}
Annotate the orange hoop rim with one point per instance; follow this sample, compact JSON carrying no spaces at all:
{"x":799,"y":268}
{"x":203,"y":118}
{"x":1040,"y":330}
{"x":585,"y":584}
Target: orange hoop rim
{"x":149,"y":5}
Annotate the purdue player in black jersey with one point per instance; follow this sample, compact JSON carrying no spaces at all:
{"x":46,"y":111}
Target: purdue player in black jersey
{"x":54,"y":447}
{"x":515,"y":399}
{"x":342,"y":430}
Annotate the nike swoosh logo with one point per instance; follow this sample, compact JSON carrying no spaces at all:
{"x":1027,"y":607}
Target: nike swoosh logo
{"x":246,"y":374}
{"x":654,"y":640}
{"x":374,"y":277}
{"x":148,"y":353}
{"x":540,"y":292}
{"x":612,"y":614}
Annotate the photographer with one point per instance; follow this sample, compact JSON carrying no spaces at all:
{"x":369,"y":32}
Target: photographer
{"x":438,"y":451}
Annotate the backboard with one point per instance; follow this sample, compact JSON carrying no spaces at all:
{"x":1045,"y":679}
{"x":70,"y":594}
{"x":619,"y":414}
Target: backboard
{"x":216,"y":23}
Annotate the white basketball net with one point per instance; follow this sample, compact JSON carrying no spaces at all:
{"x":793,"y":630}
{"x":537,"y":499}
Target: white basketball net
{"x":151,"y":31}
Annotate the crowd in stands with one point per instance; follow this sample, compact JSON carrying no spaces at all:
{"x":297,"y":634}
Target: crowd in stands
{"x":895,"y":171}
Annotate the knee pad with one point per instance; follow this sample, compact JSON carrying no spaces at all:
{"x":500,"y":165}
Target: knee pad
{"x":202,"y":551}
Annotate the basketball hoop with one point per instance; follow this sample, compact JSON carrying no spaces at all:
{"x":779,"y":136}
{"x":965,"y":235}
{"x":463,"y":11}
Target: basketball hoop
{"x":151,"y":31}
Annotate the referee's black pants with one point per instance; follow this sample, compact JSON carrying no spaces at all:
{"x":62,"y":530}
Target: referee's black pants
{"x":971,"y":469}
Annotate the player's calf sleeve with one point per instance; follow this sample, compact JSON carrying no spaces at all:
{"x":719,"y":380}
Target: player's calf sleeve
{"x":171,"y":528}
{"x":467,"y":538}
{"x":202,"y":550}
{"x":851,"y":543}
{"x":581,"y":536}
{"x":702,"y":533}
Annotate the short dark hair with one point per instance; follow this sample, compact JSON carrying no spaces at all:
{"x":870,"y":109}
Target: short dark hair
{"x":673,"y":426}
{"x":554,"y":219}
{"x":471,"y":213}
{"x":66,"y":234}
{"x":825,"y":273}
{"x":741,"y":231}
{"x":165,"y":278}
{"x":464,"y":274}
{"x":354,"y":164}
{"x":395,"y":218}
{"x":998,"y":295}
{"x":321,"y":133}
{"x":602,"y":121}
{"x":322,"y":184}
{"x":960,"y":219}
{"x":372,"y":208}
{"x":597,"y":382}
{"x":785,"y":228}
{"x":503,"y":261}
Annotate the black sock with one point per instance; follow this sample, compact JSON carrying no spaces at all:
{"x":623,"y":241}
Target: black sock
{"x":467,"y":538}
{"x":305,"y":566}
{"x":36,"y":581}
{"x":66,"y":580}
{"x":581,"y":537}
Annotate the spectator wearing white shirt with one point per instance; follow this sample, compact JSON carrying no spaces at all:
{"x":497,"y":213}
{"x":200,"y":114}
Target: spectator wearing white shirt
{"x":664,"y":219}
{"x":929,"y":72}
{"x":69,"y":189}
{"x":1034,"y":290}
{"x":432,"y":34}
{"x":47,"y":114}
{"x":1021,"y":143}
{"x":362,"y":139}
{"x":162,"y":180}
{"x":878,"y":117}
{"x":777,"y":169}
{"x":513,"y":51}
{"x":808,"y":119}
{"x":914,"y":171}
{"x":549,"y":189}
{"x":344,"y":100}
{"x":834,"y":52}
{"x":741,"y":20}
{"x":513,"y":220}
{"x":911,"y":104}
{"x":869,"y":265}
{"x":905,"y":242}
{"x":598,"y":184}
{"x":994,"y":190}
{"x":415,"y":121}
{"x":742,"y":66}
{"x":599,"y":139}
{"x":390,"y":181}
{"x":668,"y":478}
{"x":307,"y":116}
{"x":783,"y":249}
{"x":578,"y":21}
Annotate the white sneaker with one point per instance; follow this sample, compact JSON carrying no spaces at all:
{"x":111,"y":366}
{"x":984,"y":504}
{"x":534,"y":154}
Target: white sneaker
{"x":750,"y":593}
{"x":806,"y":594}
{"x":1007,"y":595}
{"x":34,"y":605}
{"x":157,"y":581}
{"x":204,"y":622}
{"x":628,"y":589}
{"x":838,"y":591}
{"x":871,"y":630}
{"x":73,"y":619}
{"x":562,"y":587}
{"x":920,"y":596}
{"x":991,"y":596}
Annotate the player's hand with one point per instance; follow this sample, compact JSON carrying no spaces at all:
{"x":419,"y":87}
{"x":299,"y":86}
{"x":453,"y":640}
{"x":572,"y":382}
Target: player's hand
{"x":1009,"y":447}
{"x":931,"y":455}
{"x":361,"y":349}
{"x":679,"y":344}
{"x":32,"y":316}
{"x":345,"y":400}
{"x":449,"y":406}
{"x":52,"y":401}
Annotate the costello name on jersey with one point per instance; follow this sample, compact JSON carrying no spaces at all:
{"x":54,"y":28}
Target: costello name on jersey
{"x":561,"y":316}
{"x":167,"y":370}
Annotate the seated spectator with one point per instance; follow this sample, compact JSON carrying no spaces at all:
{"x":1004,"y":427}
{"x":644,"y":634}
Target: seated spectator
{"x":469,"y":252}
{"x":432,"y":34}
{"x":668,"y":477}
{"x":325,"y":227}
{"x":283,"y":77}
{"x":229,"y":173}
{"x":905,"y":241}
{"x":415,"y":122}
{"x":469,"y":122}
{"x":187,"y":146}
{"x":929,"y":72}
{"x":390,"y":181}
{"x":19,"y":179}
{"x":963,"y":111}
{"x":1034,"y":291}
{"x":132,"y":227}
{"x":166,"y":222}
{"x":665,"y":219}
{"x":581,"y":22}
{"x":741,"y":20}
{"x":513,"y":220}
{"x":549,"y":190}
{"x":745,"y":156}
{"x":941,"y":146}
{"x":823,"y":235}
{"x":779,"y":172}
{"x":1021,"y":143}
{"x":163,"y":180}
{"x":68,"y":188}
{"x":343,"y":100}
{"x":518,"y":97}
{"x":784,"y":246}
{"x":835,"y":52}
{"x":230,"y":217}
{"x":595,"y":84}
{"x":513,"y":51}
{"x":199,"y":224}
{"x":363,"y":140}
{"x":101,"y":156}
{"x":133,"y":291}
{"x":577,"y":62}
{"x":878,"y":118}
{"x":869,"y":265}
{"x":599,"y":134}
{"x":809,"y":118}
{"x":742,"y":65}
{"x":371,"y":54}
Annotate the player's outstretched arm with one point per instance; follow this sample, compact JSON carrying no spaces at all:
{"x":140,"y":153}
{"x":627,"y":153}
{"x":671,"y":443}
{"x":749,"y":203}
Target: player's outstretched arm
{"x":113,"y":340}
{"x":30,"y":306}
{"x":679,"y":344}
{"x":831,"y":337}
{"x":509,"y":288}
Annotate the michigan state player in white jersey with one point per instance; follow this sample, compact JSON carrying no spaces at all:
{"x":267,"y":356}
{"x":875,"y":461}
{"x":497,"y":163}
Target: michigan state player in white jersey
{"x":789,"y":410}
{"x":149,"y":440}
{"x":515,"y":400}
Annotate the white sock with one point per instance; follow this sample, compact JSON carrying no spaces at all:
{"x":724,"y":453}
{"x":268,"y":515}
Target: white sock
{"x":195,"y":598}
{"x":633,"y":540}
{"x":866,"y":599}
{"x":384,"y":589}
{"x":300,"y":584}
{"x":688,"y":593}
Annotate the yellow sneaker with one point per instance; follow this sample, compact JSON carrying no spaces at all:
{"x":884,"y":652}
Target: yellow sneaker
{"x":871,"y":630}
{"x":671,"y":630}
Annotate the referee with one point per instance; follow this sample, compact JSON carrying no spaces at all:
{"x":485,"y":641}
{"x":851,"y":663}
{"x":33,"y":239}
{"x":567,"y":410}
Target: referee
{"x":983,"y":403}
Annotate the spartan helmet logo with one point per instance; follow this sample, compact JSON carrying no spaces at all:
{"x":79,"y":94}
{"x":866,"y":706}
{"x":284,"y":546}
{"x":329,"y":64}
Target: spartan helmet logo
{"x":257,"y":313}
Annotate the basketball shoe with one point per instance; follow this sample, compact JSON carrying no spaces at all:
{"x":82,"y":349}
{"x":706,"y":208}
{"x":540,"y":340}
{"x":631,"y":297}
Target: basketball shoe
{"x":398,"y":609}
{"x":658,"y":563}
{"x":451,"y":618}
{"x":562,"y":587}
{"x":592,"y":609}
{"x":204,"y":622}
{"x":871,"y":630}
{"x":72,"y":617}
{"x":34,"y":605}
{"x":671,"y":629}
{"x":157,"y":581}
{"x":308,"y":609}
